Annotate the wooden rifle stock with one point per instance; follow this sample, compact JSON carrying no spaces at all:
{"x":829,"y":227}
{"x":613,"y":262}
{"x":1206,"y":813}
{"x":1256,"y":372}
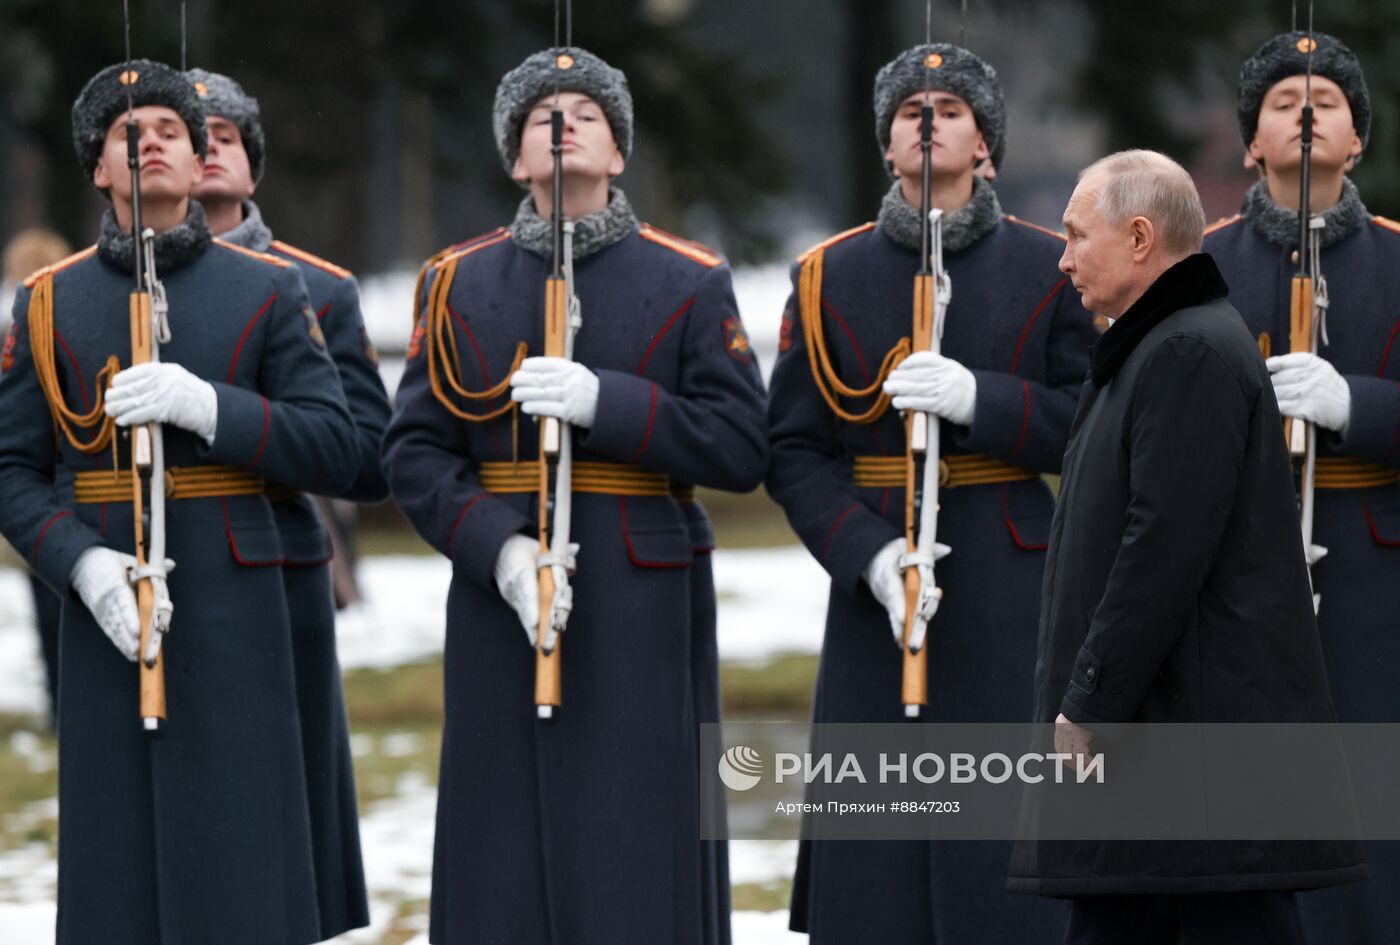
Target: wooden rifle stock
{"x":1301,"y":338}
{"x":914,"y":678}
{"x":152,"y":676}
{"x":547,"y":667}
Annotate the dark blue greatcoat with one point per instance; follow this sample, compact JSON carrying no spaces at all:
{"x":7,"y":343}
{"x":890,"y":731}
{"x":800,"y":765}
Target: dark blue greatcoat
{"x":1359,"y":616}
{"x":199,"y":836}
{"x":1017,"y":324}
{"x":330,"y":774}
{"x":705,"y":685}
{"x":583,"y":829}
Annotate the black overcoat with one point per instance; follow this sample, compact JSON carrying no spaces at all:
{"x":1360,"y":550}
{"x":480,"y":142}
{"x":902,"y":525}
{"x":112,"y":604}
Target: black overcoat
{"x":1175,"y":587}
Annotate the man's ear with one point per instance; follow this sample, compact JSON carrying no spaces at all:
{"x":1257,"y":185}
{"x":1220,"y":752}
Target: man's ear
{"x":981,"y":152}
{"x":518,"y":172}
{"x":100,"y":178}
{"x":1354,"y":151}
{"x":1142,"y":237}
{"x":1256,"y":152}
{"x":616,"y":164}
{"x":198,"y":170}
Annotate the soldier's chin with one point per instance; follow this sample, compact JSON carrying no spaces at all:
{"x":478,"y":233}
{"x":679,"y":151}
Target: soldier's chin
{"x":164,"y":188}
{"x":215,"y":189}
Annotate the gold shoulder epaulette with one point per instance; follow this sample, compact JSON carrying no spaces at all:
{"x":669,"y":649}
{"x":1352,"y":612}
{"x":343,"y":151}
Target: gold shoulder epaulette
{"x":833,"y":240}
{"x":467,"y":247}
{"x":61,"y":264}
{"x":687,"y":248}
{"x":1388,"y":223}
{"x":1035,"y":226}
{"x":263,"y":257}
{"x":301,"y":255}
{"x":1223,"y":222}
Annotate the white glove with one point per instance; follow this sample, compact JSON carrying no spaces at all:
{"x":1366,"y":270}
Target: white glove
{"x":164,"y":393}
{"x":886,"y":582}
{"x":556,"y":387}
{"x":100,"y":578}
{"x":1310,"y":388}
{"x":517,"y":577}
{"x":930,"y":383}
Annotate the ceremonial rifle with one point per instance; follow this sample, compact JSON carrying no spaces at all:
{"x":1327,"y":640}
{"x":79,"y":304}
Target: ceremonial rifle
{"x":562,"y":320}
{"x":1307,"y":316}
{"x":932,"y":292}
{"x":150,"y":328}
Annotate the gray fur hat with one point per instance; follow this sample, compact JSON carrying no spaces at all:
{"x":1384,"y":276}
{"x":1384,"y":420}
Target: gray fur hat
{"x":949,"y":68}
{"x":103,"y":100}
{"x":575,"y":70}
{"x":225,"y":98}
{"x":1286,"y":55}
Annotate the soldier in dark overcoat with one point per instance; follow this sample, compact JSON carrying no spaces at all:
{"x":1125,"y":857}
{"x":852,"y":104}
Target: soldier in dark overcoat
{"x":199,"y":834}
{"x":1349,"y":388}
{"x":1014,"y":351}
{"x":584,"y":827}
{"x":237,"y":158}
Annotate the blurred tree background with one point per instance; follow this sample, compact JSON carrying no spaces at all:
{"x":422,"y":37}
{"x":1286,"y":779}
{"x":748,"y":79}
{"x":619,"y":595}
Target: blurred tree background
{"x":754,"y":122}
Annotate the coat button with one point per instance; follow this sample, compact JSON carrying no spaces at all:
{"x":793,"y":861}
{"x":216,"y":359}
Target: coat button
{"x":1090,"y":673}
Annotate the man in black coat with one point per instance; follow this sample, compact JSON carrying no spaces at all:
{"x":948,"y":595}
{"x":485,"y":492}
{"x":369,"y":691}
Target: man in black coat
{"x":1175,"y":587}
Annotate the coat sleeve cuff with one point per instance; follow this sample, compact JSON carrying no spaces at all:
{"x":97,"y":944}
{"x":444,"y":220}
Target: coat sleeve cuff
{"x":854,"y":539}
{"x":1002,"y":416}
{"x":623,"y":422}
{"x":241,"y":430}
{"x":1373,"y":427}
{"x":481,"y":528}
{"x":62,"y":540}
{"x":1088,"y":700}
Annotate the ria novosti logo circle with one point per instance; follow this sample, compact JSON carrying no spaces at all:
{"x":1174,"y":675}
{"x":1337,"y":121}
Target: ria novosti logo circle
{"x":740,"y":768}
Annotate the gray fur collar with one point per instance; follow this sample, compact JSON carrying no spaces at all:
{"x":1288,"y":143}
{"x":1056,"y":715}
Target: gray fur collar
{"x":961,"y":228}
{"x":594,"y":232}
{"x":252,"y":233}
{"x":174,"y":248}
{"x":1279,"y":225}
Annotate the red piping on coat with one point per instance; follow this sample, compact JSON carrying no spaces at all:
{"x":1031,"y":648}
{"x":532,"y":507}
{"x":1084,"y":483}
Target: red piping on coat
{"x":1011,"y":526}
{"x":39,"y":542}
{"x":632,"y":552}
{"x":651,"y":422}
{"x":642,"y":367}
{"x":238,"y":351}
{"x":831,"y":532}
{"x":1025,"y":332}
{"x":452,"y":534}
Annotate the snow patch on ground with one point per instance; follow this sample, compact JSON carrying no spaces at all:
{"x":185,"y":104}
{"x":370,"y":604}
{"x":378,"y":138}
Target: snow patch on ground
{"x":771,"y":601}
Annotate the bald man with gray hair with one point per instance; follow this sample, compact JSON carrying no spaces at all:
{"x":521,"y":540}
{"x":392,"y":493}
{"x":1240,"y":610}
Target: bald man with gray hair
{"x":1175,"y":585}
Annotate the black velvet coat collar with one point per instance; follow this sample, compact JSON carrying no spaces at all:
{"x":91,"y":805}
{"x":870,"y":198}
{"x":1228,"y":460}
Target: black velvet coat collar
{"x":1193,"y":281}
